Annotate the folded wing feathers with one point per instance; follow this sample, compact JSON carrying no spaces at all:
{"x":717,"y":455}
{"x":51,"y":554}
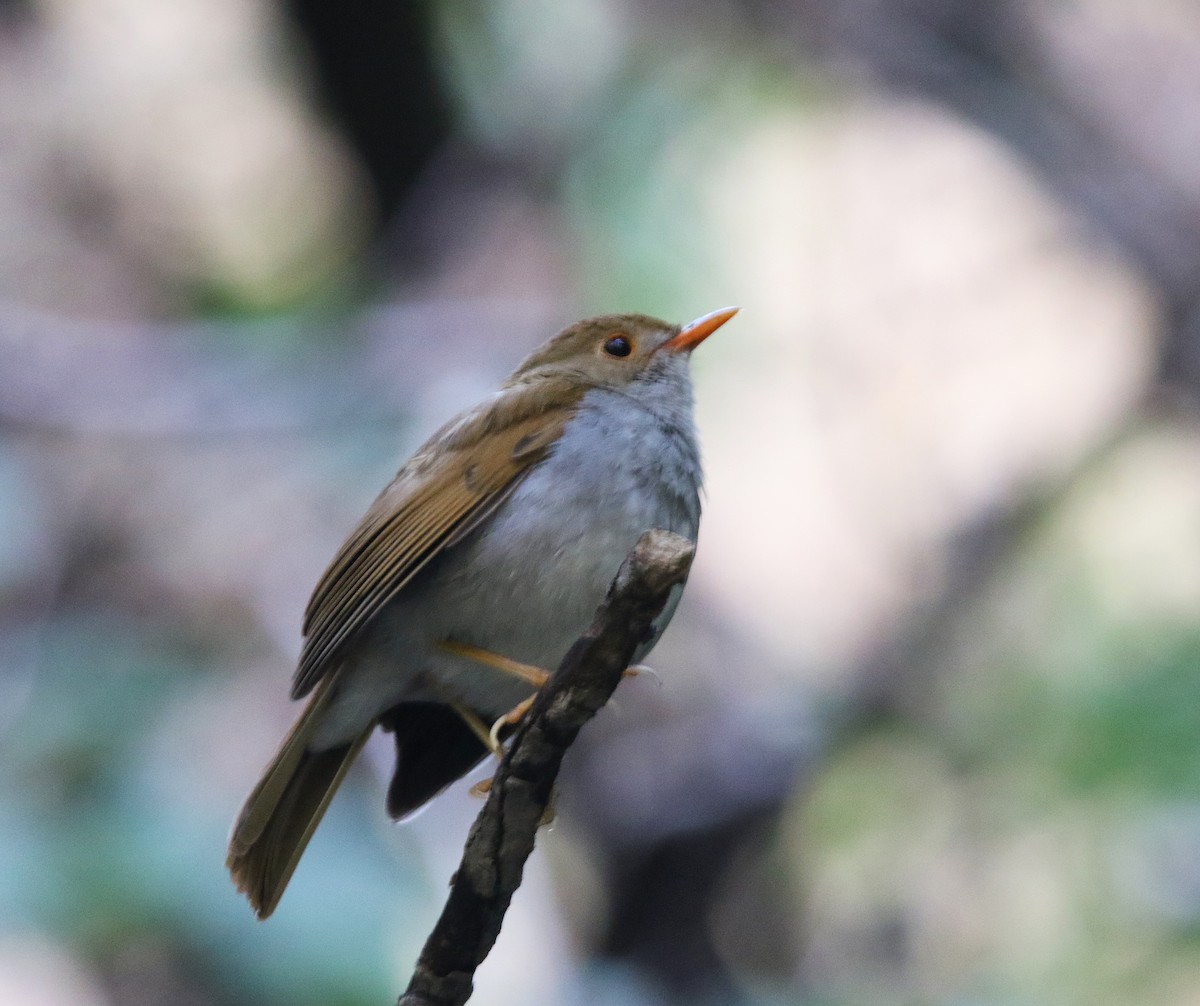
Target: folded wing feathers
{"x":409,"y":524}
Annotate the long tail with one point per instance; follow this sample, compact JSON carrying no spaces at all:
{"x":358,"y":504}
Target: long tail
{"x":286,"y":806}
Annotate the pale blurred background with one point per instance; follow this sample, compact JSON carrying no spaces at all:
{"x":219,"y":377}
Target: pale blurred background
{"x":928,"y":725}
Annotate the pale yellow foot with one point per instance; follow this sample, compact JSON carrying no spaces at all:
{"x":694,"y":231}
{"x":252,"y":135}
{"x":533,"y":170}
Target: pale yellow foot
{"x":478,"y":727}
{"x":510,"y":718}
{"x":514,"y":715}
{"x":526,"y":672}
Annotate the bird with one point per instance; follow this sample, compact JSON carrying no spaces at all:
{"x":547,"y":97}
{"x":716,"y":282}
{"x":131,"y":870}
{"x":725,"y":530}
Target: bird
{"x":475,"y":570}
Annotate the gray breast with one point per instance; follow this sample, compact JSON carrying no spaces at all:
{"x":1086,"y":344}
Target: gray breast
{"x":547,"y":556}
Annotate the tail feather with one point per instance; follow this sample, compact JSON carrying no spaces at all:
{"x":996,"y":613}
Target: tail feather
{"x":285,"y":808}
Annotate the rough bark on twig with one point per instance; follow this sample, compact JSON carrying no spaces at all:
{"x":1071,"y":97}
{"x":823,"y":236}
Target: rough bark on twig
{"x":503,"y":835}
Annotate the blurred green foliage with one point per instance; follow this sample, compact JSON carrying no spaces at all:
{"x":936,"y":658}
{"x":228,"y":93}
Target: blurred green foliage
{"x":1035,"y":827}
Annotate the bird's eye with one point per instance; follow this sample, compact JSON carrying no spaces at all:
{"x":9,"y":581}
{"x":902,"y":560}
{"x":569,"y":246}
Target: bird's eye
{"x":618,"y":345}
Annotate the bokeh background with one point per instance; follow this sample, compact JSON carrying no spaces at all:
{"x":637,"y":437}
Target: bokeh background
{"x":928,"y":725}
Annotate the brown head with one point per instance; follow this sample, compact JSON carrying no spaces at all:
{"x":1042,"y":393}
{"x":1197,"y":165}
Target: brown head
{"x":614,"y":350}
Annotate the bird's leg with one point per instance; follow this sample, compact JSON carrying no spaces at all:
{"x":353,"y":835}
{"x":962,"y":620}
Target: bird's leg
{"x":515,"y":714}
{"x":526,"y":672}
{"x":510,"y":719}
{"x":476,"y":725}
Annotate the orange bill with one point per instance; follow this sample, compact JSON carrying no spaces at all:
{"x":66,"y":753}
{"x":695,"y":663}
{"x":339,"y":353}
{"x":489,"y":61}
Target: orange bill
{"x":697,"y":331}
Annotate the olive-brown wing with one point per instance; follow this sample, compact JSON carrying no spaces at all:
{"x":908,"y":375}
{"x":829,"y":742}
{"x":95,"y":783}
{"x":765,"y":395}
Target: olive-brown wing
{"x":430,"y":505}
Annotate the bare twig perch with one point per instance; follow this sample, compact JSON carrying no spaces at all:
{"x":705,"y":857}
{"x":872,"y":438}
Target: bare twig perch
{"x":502,"y":837}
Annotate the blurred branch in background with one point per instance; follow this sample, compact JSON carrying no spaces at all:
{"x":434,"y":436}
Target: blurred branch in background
{"x":1057,"y":84}
{"x":926,"y":732}
{"x":378,"y":80}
